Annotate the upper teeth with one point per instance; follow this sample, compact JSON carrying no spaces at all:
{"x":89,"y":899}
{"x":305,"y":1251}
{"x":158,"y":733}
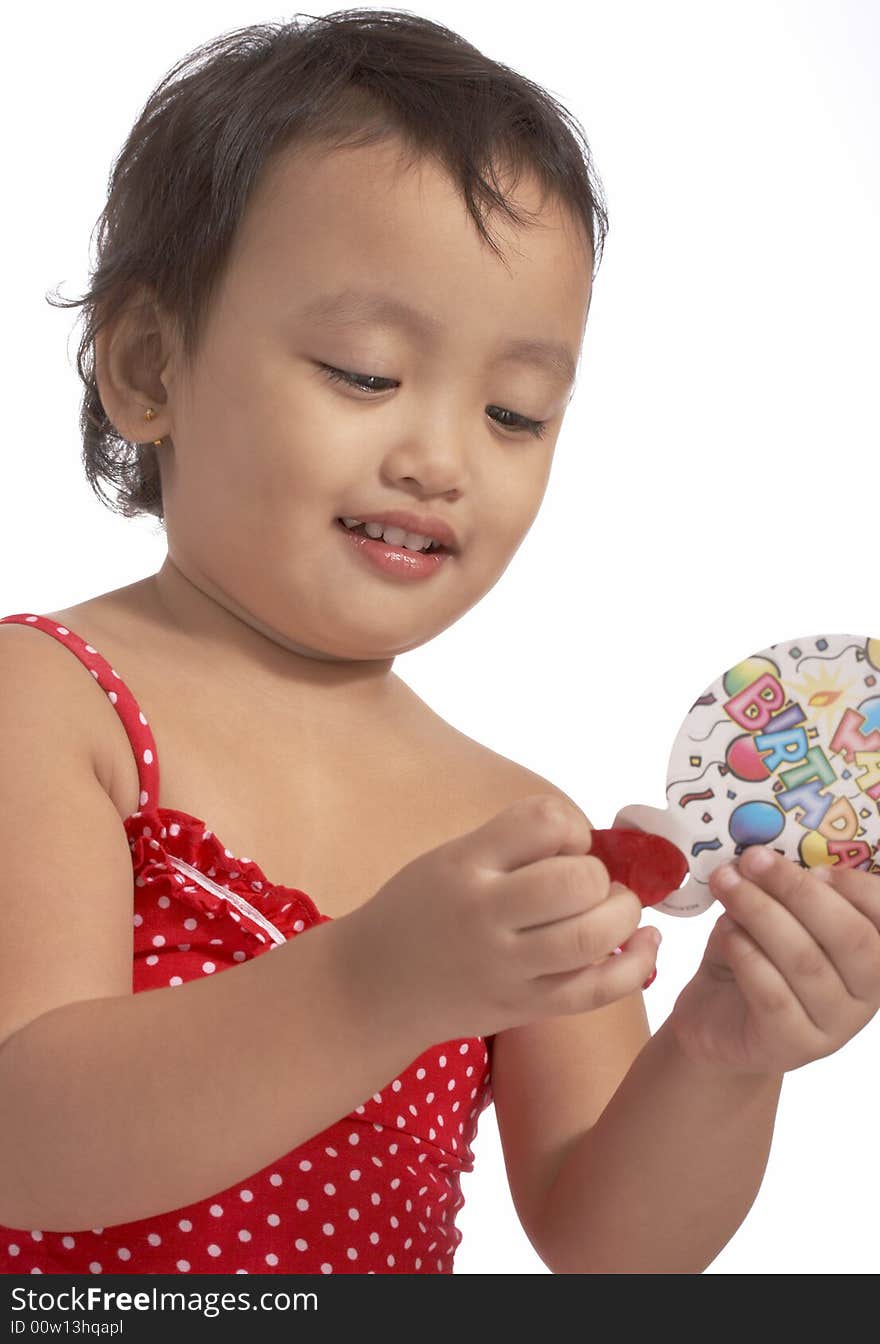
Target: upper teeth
{"x":395,"y":536}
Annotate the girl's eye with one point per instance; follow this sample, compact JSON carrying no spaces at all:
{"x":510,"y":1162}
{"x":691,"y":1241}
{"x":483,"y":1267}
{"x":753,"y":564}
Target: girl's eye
{"x":517,"y":422}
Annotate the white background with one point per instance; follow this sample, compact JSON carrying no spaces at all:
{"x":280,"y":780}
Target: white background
{"x":715,"y":488}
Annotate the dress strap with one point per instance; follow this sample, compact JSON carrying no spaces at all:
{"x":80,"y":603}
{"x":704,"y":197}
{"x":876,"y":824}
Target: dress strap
{"x":133,"y":720}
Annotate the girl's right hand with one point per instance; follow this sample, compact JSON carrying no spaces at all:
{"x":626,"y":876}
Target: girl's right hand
{"x":506,"y":924}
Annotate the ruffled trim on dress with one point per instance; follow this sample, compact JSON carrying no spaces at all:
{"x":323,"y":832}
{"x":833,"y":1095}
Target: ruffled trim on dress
{"x":158,"y":834}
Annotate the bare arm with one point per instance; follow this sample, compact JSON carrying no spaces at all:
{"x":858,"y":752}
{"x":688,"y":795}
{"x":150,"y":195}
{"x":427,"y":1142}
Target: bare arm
{"x":103,"y":1101}
{"x":667,"y":1174}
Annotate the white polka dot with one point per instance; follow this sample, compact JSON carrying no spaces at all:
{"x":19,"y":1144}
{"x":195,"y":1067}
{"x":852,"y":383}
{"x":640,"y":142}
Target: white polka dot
{"x":154,"y":1239}
{"x":354,"y":1138}
{"x":95,"y":1267}
{"x":301,"y":1245}
{"x":68,"y":1242}
{"x":271,"y":1259}
{"x":185,"y":1225}
{"x":353,"y":1215}
{"x":420,"y":1073}
{"x":351,"y":1253}
{"x":246,"y":1195}
{"x":159,"y":940}
{"x":396,"y":1085}
{"x":143,"y":800}
{"x":354,"y":1175}
{"x":244,"y":1235}
{"x":208,"y":967}
{"x":326,"y":1269}
{"x":328,"y":1229}
{"x":329,"y":1189}
{"x":216,"y":1210}
{"x":124,"y":1253}
{"x":148,"y":757}
{"x":13,"y":1249}
{"x":213,"y":1249}
{"x":272,"y":1219}
{"x":274,"y":1179}
{"x":190,"y":924}
{"x":374,"y":1237}
{"x":390,"y":1260}
{"x":305,"y":1165}
{"x":302,"y":1205}
{"x":183,"y":1266}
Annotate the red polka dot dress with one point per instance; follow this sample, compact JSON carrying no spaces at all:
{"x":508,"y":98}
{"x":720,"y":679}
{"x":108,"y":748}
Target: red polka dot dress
{"x":377,"y":1192}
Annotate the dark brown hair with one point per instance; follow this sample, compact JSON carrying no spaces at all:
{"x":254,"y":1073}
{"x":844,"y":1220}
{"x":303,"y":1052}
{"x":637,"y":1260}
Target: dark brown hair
{"x":181,"y":183}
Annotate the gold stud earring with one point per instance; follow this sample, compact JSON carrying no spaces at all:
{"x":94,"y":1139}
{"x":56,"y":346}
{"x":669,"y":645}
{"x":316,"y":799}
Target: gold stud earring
{"x":151,"y":415}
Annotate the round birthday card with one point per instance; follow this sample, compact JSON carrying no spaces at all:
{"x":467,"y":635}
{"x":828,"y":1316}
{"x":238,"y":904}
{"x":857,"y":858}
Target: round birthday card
{"x":781,"y":750}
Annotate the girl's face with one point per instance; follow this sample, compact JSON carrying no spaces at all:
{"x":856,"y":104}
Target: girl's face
{"x":267,"y":451}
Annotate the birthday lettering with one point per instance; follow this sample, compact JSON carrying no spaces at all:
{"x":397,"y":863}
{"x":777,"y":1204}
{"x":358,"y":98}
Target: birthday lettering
{"x":754,"y":705}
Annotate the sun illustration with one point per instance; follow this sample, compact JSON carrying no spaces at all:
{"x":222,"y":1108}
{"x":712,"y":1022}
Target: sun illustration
{"x":820,"y":697}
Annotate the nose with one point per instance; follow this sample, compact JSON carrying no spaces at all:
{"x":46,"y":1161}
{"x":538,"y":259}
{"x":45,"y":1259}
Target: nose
{"x":432,"y":455}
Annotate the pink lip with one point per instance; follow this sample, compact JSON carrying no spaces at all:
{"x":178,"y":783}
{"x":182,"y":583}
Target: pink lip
{"x":425,"y":525}
{"x":395,"y":560}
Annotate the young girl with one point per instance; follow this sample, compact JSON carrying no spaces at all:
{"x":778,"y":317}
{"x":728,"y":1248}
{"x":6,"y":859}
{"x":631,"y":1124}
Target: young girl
{"x":340,"y":392}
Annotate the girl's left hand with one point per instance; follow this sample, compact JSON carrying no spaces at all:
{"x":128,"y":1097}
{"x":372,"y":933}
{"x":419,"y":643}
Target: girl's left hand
{"x":790,"y":973}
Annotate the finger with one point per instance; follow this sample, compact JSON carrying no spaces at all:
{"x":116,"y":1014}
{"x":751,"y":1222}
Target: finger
{"x":781,"y":1015}
{"x":861,"y":888}
{"x":786,"y":943}
{"x":849,"y":939}
{"x":604,"y":982}
{"x":582,"y":940}
{"x":552,"y":889}
{"x":532,"y":828}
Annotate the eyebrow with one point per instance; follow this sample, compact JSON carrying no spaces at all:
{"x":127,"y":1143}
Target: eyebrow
{"x":363,"y":307}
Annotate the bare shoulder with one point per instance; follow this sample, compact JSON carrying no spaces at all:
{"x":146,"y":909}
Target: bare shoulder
{"x":44,"y":674}
{"x":490,"y":781}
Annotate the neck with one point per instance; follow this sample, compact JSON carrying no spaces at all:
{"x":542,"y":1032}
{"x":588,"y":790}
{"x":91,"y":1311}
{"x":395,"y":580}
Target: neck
{"x":251,"y":656}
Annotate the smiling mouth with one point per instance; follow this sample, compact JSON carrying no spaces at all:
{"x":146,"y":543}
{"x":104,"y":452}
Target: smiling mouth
{"x":361,"y":531}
